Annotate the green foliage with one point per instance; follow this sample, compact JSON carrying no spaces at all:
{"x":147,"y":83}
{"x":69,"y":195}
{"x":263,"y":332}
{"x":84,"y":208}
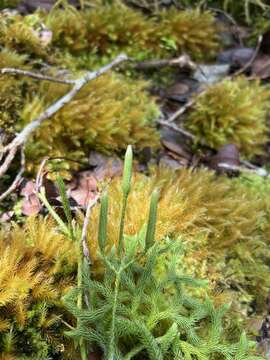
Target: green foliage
{"x":244,"y":10}
{"x":8,"y":3}
{"x":135,"y":312}
{"x":225,"y":228}
{"x":231,"y":111}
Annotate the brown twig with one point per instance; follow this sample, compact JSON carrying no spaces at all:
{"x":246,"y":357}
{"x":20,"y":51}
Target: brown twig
{"x":252,"y":59}
{"x":11,"y":149}
{"x":258,"y":171}
{"x":85,"y":249}
{"x":18,"y":179}
{"x":33,"y":75}
{"x":40,"y":174}
{"x":176,"y":128}
{"x":182,"y":61}
{"x":180,"y":111}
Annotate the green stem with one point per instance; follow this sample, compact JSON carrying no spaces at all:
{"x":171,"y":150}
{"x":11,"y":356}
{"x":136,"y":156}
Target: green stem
{"x":122,"y":223}
{"x":116,"y":292}
{"x":83,"y":350}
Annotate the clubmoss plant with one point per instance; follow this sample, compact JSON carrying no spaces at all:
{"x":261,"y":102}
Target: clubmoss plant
{"x":224,"y":228}
{"x":133,"y":313}
{"x":232,"y":111}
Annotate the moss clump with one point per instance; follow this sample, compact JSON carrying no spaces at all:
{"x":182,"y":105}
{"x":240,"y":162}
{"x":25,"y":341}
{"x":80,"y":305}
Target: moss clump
{"x":21,"y":34}
{"x":69,"y":28}
{"x":232,"y":111}
{"x":11,"y":99}
{"x":108,"y":114}
{"x":37,"y":267}
{"x":108,"y":30}
{"x":190,"y":31}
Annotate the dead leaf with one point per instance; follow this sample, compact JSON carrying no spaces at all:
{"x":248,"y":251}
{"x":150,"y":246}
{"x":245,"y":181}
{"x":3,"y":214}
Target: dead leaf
{"x":175,"y":143}
{"x":182,"y":90}
{"x":261,"y":67}
{"x":45,"y":37}
{"x":95,"y":356}
{"x":29,"y":6}
{"x":6,"y":216}
{"x":105,"y":166}
{"x":227,"y":155}
{"x":84,"y":188}
{"x":31,"y":204}
{"x":237,"y":57}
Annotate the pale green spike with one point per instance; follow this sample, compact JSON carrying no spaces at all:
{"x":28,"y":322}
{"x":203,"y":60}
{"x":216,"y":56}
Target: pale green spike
{"x":126,"y":182}
{"x":152,"y":220}
{"x":103,"y":219}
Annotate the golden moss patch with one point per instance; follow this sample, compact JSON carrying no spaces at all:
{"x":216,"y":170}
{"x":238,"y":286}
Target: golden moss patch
{"x":108,"y":114}
{"x":191,"y":31}
{"x":37,"y":267}
{"x":232,"y":111}
{"x":108,"y":30}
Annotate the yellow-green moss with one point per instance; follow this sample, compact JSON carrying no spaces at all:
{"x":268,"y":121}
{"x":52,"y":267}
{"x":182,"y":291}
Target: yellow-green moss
{"x":191,"y":31}
{"x":21,"y":34}
{"x":68,"y":28}
{"x":38,"y":266}
{"x":231,"y":111}
{"x":108,"y":114}
{"x":108,"y":30}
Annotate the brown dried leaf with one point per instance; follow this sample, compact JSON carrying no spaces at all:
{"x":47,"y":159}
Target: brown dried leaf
{"x":84,"y":188}
{"x":105,"y":166}
{"x":261,"y":67}
{"x":227,"y":154}
{"x":6,"y":216}
{"x":31,"y":204}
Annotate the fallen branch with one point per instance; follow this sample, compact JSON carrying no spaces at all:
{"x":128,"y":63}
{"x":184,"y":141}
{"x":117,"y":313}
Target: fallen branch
{"x":176,"y":128}
{"x":11,"y":149}
{"x":12,"y":71}
{"x":182,"y":61}
{"x":18,"y":179}
{"x":180,"y":111}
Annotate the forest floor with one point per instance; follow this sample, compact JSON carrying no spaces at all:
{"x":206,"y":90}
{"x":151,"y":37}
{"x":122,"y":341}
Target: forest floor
{"x":184,"y":86}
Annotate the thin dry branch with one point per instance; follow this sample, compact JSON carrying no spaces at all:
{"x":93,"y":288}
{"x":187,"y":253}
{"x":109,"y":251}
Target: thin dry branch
{"x":18,"y":179}
{"x":13,"y":71}
{"x":85,"y":249}
{"x":11,"y":149}
{"x":180,"y":111}
{"x":176,"y":128}
{"x":182,"y":61}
